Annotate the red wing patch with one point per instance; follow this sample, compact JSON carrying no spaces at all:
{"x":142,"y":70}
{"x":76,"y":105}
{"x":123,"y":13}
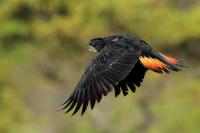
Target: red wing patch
{"x":156,"y":65}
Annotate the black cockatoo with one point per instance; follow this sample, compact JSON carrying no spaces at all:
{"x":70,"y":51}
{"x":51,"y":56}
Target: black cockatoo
{"x":121,"y":64}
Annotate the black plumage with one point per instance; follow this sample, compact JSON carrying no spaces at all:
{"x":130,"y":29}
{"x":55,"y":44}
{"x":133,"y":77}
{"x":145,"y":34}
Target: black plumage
{"x":117,"y":66}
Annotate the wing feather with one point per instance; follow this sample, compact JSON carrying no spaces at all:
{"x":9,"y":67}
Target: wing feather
{"x":111,"y":66}
{"x":134,"y":78}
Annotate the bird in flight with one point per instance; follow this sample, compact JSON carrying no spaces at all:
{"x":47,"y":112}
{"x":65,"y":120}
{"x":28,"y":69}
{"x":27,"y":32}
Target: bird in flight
{"x":121,"y":64}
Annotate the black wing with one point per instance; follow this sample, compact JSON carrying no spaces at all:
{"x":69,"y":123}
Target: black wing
{"x":134,"y":78}
{"x":112,"y":65}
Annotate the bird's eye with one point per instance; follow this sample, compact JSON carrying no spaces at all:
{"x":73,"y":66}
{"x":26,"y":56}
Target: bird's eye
{"x":93,"y":44}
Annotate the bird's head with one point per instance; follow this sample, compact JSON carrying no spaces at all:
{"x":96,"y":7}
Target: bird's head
{"x":96,"y":45}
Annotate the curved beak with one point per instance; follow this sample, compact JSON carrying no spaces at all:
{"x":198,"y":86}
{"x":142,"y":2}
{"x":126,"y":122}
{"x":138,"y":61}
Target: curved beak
{"x":92,"y":49}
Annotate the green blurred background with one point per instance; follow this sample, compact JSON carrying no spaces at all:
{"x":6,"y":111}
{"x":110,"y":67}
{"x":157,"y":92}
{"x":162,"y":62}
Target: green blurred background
{"x":44,"y":51}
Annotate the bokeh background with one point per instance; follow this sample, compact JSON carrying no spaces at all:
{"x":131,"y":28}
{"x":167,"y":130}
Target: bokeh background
{"x":44,"y":51}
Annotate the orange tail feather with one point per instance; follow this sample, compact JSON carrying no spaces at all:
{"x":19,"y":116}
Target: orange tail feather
{"x":156,"y":65}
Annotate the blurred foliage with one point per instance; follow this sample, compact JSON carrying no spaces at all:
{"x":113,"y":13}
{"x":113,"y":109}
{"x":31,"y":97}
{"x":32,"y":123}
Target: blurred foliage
{"x":43,"y":52}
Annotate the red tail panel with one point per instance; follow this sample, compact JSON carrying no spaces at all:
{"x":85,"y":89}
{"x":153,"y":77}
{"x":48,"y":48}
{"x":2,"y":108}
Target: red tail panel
{"x":156,"y":65}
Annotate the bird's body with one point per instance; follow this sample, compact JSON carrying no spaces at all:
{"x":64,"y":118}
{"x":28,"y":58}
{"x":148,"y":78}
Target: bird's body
{"x":121,"y":64}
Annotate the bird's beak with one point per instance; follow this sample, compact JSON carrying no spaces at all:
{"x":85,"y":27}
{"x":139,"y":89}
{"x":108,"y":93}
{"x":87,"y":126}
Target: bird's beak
{"x":92,"y":49}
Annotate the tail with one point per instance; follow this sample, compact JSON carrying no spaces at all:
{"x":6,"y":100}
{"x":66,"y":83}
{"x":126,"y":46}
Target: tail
{"x":159,"y":62}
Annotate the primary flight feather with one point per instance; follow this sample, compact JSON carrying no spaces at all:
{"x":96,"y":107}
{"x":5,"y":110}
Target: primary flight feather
{"x":121,"y":64}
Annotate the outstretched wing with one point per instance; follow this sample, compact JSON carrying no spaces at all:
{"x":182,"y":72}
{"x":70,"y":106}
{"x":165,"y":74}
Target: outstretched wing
{"x":112,"y":65}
